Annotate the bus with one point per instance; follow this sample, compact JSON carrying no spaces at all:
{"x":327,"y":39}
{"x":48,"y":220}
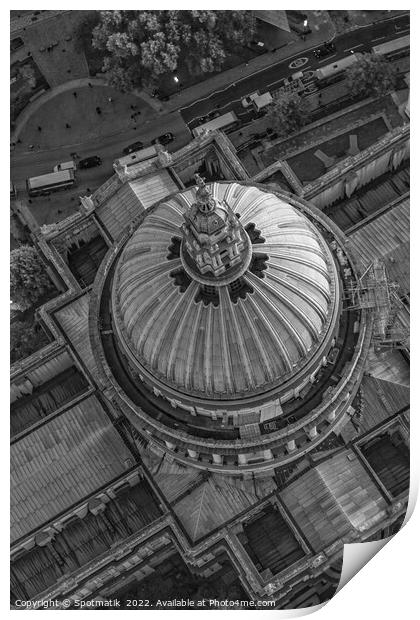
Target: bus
{"x":52,"y":182}
{"x":225,"y":121}
{"x":138,"y":156}
{"x":335,"y":69}
{"x":393,"y":50}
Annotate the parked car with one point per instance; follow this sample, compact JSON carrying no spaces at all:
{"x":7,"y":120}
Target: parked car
{"x":247,"y":101}
{"x":90,"y":162}
{"x":65,"y":165}
{"x":164,"y":139}
{"x":136,"y":146}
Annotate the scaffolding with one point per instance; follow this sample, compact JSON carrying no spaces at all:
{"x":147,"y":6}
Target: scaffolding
{"x":376,"y":293}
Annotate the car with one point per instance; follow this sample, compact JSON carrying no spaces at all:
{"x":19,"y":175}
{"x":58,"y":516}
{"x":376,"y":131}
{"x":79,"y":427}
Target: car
{"x":247,"y":101}
{"x":65,"y":165}
{"x":136,"y":146}
{"x":164,"y":139}
{"x":90,"y":162}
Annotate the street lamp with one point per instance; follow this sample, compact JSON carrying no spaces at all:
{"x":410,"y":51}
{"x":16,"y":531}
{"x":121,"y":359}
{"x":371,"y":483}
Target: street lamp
{"x":176,"y":79}
{"x":305,"y":23}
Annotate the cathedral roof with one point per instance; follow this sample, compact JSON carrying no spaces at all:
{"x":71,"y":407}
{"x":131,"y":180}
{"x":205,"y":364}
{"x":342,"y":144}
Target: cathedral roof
{"x":215,"y":337}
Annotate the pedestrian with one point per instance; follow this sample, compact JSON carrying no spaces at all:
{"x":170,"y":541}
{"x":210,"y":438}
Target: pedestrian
{"x":135,"y":128}
{"x":75,"y":95}
{"x":68,"y":126}
{"x":30,"y":147}
{"x":132,"y":107}
{"x":19,"y":141}
{"x":39,"y":128}
{"x":110,"y":99}
{"x":90,"y":85}
{"x":88,"y":189}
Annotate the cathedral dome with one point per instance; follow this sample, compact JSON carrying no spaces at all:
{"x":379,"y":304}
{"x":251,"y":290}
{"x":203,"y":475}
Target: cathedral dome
{"x":235,"y":315}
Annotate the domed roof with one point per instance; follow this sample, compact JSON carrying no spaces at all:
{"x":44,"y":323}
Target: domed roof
{"x":235,"y":338}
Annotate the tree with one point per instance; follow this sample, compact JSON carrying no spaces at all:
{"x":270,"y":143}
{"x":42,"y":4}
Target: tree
{"x":141,"y":46}
{"x":370,"y":75}
{"x":29,"y":281}
{"x":26,"y":337}
{"x":288,"y":113}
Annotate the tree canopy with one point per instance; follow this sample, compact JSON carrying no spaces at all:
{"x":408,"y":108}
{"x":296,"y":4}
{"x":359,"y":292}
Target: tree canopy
{"x":141,"y":46}
{"x":29,"y":281}
{"x":25,"y":338}
{"x":370,"y":75}
{"x":288,"y":113}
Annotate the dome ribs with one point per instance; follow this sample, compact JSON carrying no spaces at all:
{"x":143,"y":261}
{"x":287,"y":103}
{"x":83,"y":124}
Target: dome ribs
{"x":291,"y":245}
{"x":262,"y":318}
{"x":256,"y":342}
{"x":309,"y":299}
{"x":297,"y":258}
{"x":238,"y":339}
{"x":190,"y":361}
{"x":293,"y":307}
{"x":208,"y":370}
{"x":234,"y":336}
{"x":307,"y":279}
{"x":179,"y":329}
{"x":227,"y":362}
{"x":175,"y":311}
{"x":146,"y":335}
{"x":261,"y":287}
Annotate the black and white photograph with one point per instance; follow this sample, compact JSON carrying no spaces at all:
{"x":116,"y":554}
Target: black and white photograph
{"x":209,"y":305}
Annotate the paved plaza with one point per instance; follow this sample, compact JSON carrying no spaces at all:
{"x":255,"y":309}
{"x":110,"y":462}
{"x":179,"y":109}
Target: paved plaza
{"x":79,"y":114}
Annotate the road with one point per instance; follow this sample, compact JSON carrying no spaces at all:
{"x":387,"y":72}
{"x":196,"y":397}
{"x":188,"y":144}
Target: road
{"x":62,"y":204}
{"x":32,"y":163}
{"x":229,"y":98}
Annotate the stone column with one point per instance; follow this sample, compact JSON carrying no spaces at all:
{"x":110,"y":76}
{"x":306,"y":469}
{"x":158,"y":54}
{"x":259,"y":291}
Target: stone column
{"x":268,"y":455}
{"x":243,"y":459}
{"x":291,"y":445}
{"x":170,"y":445}
{"x":217,"y":459}
{"x":192,"y":453}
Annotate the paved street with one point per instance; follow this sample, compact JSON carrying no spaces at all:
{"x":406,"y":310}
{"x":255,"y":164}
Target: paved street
{"x":230,"y":97}
{"x":62,"y":204}
{"x":107,"y":134}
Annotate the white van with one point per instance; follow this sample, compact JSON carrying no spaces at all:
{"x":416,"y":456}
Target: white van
{"x":65,"y":165}
{"x":262,"y":101}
